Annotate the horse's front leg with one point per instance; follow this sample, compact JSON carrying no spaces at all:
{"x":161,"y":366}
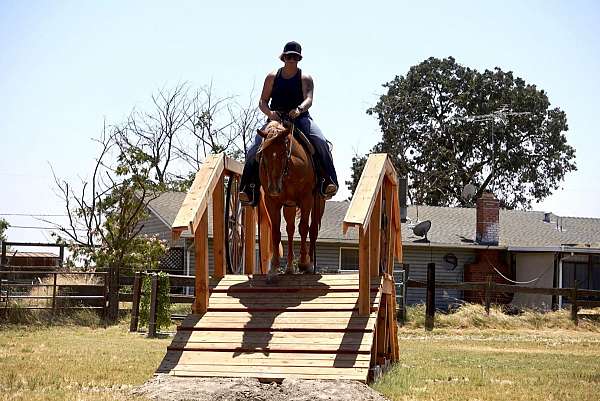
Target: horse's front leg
{"x":305,"y":265}
{"x":274,"y":211}
{"x":289,"y":213}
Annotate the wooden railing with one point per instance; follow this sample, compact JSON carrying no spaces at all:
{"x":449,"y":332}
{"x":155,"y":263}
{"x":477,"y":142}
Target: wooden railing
{"x":193,"y":215}
{"x":25,"y":290}
{"x":375,"y":201}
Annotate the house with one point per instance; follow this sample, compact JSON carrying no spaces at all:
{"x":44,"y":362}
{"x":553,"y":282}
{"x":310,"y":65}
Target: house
{"x":466,"y":244}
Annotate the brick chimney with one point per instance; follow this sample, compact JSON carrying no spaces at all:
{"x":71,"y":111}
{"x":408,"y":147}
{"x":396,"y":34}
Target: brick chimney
{"x":488,"y":220}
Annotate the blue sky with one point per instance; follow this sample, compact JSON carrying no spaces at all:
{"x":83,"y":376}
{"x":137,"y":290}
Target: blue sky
{"x":67,"y":66}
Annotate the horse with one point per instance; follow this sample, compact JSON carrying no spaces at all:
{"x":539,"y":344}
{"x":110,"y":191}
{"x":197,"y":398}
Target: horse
{"x":288,"y":178}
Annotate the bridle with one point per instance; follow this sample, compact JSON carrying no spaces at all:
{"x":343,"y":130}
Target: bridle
{"x":288,"y":146}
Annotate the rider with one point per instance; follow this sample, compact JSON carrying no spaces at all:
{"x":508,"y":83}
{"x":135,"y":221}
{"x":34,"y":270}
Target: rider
{"x":291,"y":93}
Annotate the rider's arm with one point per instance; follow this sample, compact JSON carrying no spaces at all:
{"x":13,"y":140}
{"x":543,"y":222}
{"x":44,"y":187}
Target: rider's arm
{"x":265,"y":96}
{"x":307,"y":89}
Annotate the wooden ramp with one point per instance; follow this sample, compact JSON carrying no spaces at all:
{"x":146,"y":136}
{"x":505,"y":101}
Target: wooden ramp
{"x":304,"y":326}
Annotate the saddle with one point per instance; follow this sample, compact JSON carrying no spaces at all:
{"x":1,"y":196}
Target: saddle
{"x":299,"y":135}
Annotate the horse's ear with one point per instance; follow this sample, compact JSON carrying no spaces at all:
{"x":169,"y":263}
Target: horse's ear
{"x":261,"y":133}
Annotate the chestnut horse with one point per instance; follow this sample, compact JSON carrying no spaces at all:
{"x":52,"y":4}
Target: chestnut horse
{"x":288,"y":177}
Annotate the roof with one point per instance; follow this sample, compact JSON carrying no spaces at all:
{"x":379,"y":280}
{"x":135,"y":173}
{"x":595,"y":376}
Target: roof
{"x":19,"y":254}
{"x":451,"y":226}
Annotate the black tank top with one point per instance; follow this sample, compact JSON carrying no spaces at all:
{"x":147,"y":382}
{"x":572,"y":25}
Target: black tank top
{"x":287,"y":93}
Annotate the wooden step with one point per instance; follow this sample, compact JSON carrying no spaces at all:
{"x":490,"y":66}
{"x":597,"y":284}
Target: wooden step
{"x":302,"y":326}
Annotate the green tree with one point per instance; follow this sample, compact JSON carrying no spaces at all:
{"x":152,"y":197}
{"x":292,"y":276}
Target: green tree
{"x":427,"y":124}
{"x":3,"y":227}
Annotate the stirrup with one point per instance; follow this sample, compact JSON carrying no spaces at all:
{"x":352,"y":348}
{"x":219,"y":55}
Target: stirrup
{"x":248,"y":199}
{"x":328,"y":191}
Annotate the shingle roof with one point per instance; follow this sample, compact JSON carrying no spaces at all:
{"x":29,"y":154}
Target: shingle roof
{"x":450,"y":226}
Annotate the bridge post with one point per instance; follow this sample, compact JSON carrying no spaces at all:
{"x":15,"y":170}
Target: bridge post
{"x":218,"y":227}
{"x":364,"y":273}
{"x":375,"y":237}
{"x":201,"y":258}
{"x":249,"y":239}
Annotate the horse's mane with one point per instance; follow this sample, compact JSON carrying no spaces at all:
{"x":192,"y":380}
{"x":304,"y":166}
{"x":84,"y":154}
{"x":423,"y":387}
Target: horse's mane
{"x":272,"y":132}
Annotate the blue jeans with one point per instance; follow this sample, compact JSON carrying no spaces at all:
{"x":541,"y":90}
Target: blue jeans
{"x":306,"y":124}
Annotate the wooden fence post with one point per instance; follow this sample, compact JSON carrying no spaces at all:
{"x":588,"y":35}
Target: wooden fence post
{"x":153,"y":307}
{"x":135,"y":304}
{"x":574,"y":306}
{"x":488,"y":295}
{"x":430,"y":305}
{"x":54,"y":293}
{"x":113,"y":294}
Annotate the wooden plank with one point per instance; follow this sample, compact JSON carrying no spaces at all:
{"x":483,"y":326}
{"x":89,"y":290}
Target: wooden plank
{"x":299,"y":293}
{"x":374,"y":236}
{"x":282,"y":370}
{"x":277,"y":337}
{"x":361,"y":205}
{"x":201,"y":258}
{"x":249,"y":239}
{"x":309,"y":316}
{"x":278,"y":358}
{"x":323,"y":278}
{"x":391,"y":228}
{"x":295,"y":326}
{"x":233,"y":166}
{"x":196,"y":200}
{"x":218,"y":227}
{"x":262,"y":375}
{"x":364,"y":272}
{"x":237,"y":346}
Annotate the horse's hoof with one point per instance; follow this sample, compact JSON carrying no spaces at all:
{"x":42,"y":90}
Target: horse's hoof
{"x":306,"y":268}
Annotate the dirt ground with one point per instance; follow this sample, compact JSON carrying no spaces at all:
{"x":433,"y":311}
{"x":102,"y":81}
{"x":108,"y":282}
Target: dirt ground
{"x":169,"y":388}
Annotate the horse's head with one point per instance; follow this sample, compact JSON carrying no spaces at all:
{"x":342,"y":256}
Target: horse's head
{"x":275,"y":153}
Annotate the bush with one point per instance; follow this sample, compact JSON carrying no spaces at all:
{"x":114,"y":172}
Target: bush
{"x":163,"y":309}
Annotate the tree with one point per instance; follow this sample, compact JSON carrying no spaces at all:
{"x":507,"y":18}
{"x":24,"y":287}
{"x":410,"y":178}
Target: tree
{"x":182,"y":127}
{"x":520,"y":152}
{"x":3,"y":227}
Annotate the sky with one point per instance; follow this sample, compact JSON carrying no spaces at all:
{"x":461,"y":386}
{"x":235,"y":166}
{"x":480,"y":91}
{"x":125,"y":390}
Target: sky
{"x":66,"y":67}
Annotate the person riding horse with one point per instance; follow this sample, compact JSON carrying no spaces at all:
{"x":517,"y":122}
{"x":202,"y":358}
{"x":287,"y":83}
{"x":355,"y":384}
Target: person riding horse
{"x":290,"y":92}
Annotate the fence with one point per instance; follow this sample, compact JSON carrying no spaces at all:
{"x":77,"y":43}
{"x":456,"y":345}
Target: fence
{"x":53,"y":290}
{"x":489,"y":287}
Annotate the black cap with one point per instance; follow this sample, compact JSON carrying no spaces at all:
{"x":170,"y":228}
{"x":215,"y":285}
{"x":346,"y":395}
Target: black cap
{"x":291,"y":48}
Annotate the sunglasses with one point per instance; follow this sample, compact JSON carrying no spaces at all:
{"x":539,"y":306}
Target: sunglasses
{"x":291,"y":57}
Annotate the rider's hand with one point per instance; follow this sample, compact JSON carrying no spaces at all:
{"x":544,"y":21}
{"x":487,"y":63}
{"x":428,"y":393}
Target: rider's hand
{"x":274,"y":116}
{"x":295,"y":113}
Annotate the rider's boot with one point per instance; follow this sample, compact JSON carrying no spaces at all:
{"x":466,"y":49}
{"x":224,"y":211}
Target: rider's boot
{"x":249,"y":195}
{"x":328,"y":188}
{"x":250,"y":184}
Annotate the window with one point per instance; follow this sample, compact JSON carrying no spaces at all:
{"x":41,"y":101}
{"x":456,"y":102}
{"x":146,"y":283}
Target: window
{"x":348,"y":259}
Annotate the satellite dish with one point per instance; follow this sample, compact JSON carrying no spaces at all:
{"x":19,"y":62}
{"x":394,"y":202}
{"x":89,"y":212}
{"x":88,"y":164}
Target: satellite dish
{"x":468,"y":191}
{"x":422,"y":229}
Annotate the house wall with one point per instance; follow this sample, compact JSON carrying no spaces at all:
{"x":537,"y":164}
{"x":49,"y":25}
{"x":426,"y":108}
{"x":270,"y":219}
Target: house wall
{"x":418,"y":257}
{"x":529,"y":266}
{"x":328,"y":258}
{"x":155,"y":226}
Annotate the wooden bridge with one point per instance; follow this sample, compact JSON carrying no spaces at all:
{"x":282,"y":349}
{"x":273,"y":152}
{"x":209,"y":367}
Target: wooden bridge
{"x":335,"y":326}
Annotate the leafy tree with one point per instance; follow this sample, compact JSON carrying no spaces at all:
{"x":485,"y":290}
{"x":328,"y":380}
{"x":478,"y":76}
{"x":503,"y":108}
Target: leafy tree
{"x":428,"y":126}
{"x":3,"y":227}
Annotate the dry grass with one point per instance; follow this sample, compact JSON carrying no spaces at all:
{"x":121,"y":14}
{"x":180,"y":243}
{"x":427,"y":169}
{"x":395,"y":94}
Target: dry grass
{"x":74,"y":363}
{"x":495,"y":365}
{"x":472,"y":356}
{"x":454,"y":362}
{"x":474,"y":316}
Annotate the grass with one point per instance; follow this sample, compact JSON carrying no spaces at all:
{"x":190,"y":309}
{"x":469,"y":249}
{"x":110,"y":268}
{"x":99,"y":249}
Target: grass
{"x":468,"y":357}
{"x":71,"y":362}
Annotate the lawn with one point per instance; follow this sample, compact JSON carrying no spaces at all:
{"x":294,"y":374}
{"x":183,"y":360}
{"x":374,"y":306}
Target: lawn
{"x":557,"y":361}
{"x":68,"y":362}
